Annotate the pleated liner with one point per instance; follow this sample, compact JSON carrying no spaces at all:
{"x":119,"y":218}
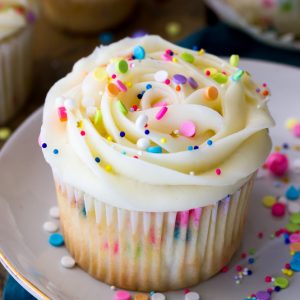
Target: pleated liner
{"x":147,"y":251}
{"x":15,"y":72}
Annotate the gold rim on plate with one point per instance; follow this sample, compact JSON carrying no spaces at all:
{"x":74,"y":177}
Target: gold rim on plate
{"x":16,"y":274}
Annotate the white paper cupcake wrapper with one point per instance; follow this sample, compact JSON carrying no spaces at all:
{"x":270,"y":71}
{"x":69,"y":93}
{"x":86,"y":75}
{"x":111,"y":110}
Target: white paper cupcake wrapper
{"x":15,"y":72}
{"x":151,"y":251}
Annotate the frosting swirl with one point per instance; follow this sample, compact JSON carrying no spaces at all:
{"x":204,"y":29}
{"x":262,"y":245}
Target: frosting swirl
{"x":146,"y":125}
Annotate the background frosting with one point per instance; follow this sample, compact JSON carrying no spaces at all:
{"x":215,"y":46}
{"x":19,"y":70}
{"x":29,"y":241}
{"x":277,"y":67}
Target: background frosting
{"x":101,"y":108}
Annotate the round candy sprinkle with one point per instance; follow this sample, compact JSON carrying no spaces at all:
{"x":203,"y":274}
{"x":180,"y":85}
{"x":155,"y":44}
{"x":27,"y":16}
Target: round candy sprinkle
{"x":158,"y":296}
{"x":44,"y":145}
{"x":278,"y":210}
{"x":187,"y":57}
{"x":268,"y":201}
{"x":113,"y":89}
{"x":292,"y":193}
{"x":67,"y":262}
{"x":55,"y":151}
{"x":56,"y":240}
{"x":54,"y":212}
{"x":296,"y":130}
{"x":209,"y":142}
{"x":277,"y":163}
{"x":218,"y":171}
{"x":122,"y":295}
{"x":234,"y":60}
{"x":143,"y":143}
{"x":282,"y":282}
{"x":147,"y":132}
{"x":97,"y":159}
{"x":192,"y":296}
{"x":122,"y":66}
{"x":148,"y":86}
{"x":291,"y":227}
{"x":154,"y":149}
{"x":211,"y":93}
{"x":295,"y":238}
{"x":262,"y":295}
{"x":161,"y":113}
{"x":188,"y":129}
{"x":141,"y":121}
{"x":5,"y":133}
{"x":295,"y":265}
{"x":141,"y":297}
{"x":50,"y":226}
{"x":139,"y":52}
{"x":295,"y":218}
{"x":161,"y":76}
{"x":290,"y":123}
{"x":192,"y":82}
{"x":179,"y":79}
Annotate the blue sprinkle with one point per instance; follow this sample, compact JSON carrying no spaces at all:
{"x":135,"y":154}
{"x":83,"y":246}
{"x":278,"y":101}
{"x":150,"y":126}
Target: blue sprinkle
{"x":285,"y":146}
{"x":140,"y":96}
{"x":190,"y":148}
{"x":83,"y":211}
{"x":139,"y":52}
{"x":154,"y":149}
{"x":123,"y":152}
{"x":97,"y":159}
{"x":292,"y":193}
{"x":249,"y":273}
{"x":251,"y":260}
{"x":122,"y":134}
{"x":106,"y":38}
{"x":196,"y":48}
{"x":209,"y":142}
{"x":149,"y":86}
{"x":297,"y":256}
{"x":147,"y":131}
{"x":196,"y":147}
{"x":277,"y":288}
{"x":56,"y":240}
{"x":55,"y":151}
{"x":176,"y":232}
{"x":152,"y":293}
{"x":44,"y":145}
{"x":287,"y":241}
{"x":295,"y":265}
{"x":237,"y":75}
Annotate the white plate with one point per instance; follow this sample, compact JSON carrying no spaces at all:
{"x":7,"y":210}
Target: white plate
{"x":27,"y":192}
{"x":231,"y":17}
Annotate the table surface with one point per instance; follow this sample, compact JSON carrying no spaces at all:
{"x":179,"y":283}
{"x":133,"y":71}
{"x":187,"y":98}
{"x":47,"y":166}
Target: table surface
{"x":54,"y":51}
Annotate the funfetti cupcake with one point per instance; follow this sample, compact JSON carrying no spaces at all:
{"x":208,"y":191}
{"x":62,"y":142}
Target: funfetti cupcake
{"x":16,"y":20}
{"x":154,"y":149}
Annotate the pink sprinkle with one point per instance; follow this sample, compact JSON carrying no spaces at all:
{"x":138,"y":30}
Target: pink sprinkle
{"x":167,"y":81}
{"x":169,"y":51}
{"x":122,"y":295}
{"x":264,"y":85}
{"x":218,"y":171}
{"x":62,"y":114}
{"x":161,"y":113}
{"x":121,"y":86}
{"x":278,"y":209}
{"x":188,"y":129}
{"x":113,"y":76}
{"x":186,"y":291}
{"x":239,"y":268}
{"x":158,"y":104}
{"x":82,"y":132}
{"x":295,"y":238}
{"x":225,"y":269}
{"x":296,"y":130}
{"x":277,"y":163}
{"x":166,"y":57}
{"x":116,"y":248}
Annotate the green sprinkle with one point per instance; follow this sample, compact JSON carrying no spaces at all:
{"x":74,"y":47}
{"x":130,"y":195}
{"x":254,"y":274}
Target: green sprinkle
{"x":295,"y":218}
{"x":97,"y":117}
{"x":219,"y":77}
{"x":234,"y":60}
{"x":292,"y":227}
{"x":122,"y":107}
{"x":187,"y":57}
{"x":252,"y":251}
{"x":122,"y":66}
{"x":237,"y":75}
{"x":281,"y":282}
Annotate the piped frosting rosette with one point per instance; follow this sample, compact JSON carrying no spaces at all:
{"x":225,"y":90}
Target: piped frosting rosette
{"x":145,"y":125}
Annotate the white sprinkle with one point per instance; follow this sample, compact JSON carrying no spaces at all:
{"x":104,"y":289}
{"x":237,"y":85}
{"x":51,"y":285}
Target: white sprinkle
{"x":192,"y":173}
{"x":293,"y":207}
{"x":112,"y":287}
{"x":140,"y":153}
{"x":91,"y":110}
{"x":158,"y":296}
{"x":59,"y":101}
{"x":88,"y":101}
{"x":54,"y":212}
{"x":50,"y":226}
{"x":69,"y":104}
{"x":161,"y":75}
{"x":141,"y":121}
{"x":143,"y":143}
{"x":282,"y":199}
{"x":67,"y":262}
{"x":192,"y":296}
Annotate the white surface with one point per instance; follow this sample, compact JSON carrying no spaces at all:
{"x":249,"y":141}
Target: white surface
{"x":27,"y":193}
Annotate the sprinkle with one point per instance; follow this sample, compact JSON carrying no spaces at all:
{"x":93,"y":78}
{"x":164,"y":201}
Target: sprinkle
{"x":44,"y":145}
{"x":67,"y":262}
{"x":292,"y":193}
{"x":234,"y":60}
{"x":173,"y":28}
{"x":55,"y":151}
{"x":278,"y":210}
{"x":108,"y":168}
{"x":143,"y":143}
{"x":161,"y":76}
{"x":56,"y":240}
{"x":62,"y":114}
{"x":50,"y":226}
{"x":158,"y":296}
{"x":178,"y":88}
{"x":296,"y":130}
{"x":192,"y":82}
{"x":251,"y":260}
{"x":139,"y":52}
{"x":141,"y":121}
{"x":268,"y":201}
{"x":291,"y":122}
{"x":97,"y":159}
{"x":262,"y":295}
{"x":219,"y":77}
{"x":190,"y":148}
{"x":209,"y":142}
{"x":97,"y":117}
{"x":141,"y":297}
{"x":113,"y":89}
{"x":147,"y":132}
{"x":106,"y":38}
{"x":82,"y":133}
{"x":122,"y":134}
{"x":237,"y":75}
{"x":201,"y":51}
{"x":295,"y":265}
{"x":211,"y":93}
{"x":187,"y":57}
{"x":282,"y":282}
{"x":122,"y":295}
{"x":277,"y":163}
{"x":100,"y":74}
{"x":54,"y":212}
{"x":179,"y":79}
{"x":166,"y":57}
{"x":122,"y":66}
{"x":149,"y":86}
{"x":163,"y":140}
{"x":188,"y":129}
{"x":122,"y":107}
{"x":218,"y":171}
{"x":79,"y":124}
{"x":109,"y":138}
{"x":295,"y":218}
{"x":121,"y":86}
{"x":154,"y":149}
{"x":167,"y":81}
{"x":161,"y":113}
{"x":5,"y":133}
{"x":192,"y":296}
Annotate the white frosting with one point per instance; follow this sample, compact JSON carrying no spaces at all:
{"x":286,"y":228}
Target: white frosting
{"x":236,"y":122}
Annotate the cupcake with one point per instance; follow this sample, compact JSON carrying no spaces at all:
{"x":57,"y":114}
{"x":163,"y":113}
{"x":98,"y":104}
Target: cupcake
{"x":154,"y":149}
{"x":16,"y":18}
{"x":87,"y":15}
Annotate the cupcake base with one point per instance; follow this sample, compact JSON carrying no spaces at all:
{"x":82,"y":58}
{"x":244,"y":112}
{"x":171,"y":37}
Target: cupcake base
{"x":151,"y":251}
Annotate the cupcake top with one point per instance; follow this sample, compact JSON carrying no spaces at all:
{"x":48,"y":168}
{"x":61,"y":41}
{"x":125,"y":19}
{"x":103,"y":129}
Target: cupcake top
{"x":146,"y":125}
{"x":14,"y":16}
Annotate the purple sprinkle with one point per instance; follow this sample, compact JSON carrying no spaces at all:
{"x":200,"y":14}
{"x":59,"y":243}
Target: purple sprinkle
{"x":179,"y":79}
{"x":31,"y":17}
{"x":139,"y":33}
{"x":192,"y":82}
{"x":258,"y":90}
{"x":263,"y":295}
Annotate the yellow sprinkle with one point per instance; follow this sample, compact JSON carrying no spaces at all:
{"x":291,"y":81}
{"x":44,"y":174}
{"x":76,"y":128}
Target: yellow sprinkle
{"x":290,"y":273}
{"x":292,"y":253}
{"x":234,"y":60}
{"x":163,"y":140}
{"x":277,"y":148}
{"x":109,"y":138}
{"x":80,"y":124}
{"x":5,"y":133}
{"x":108,"y":168}
{"x":97,"y":117}
{"x":174,"y":59}
{"x":284,"y":271}
{"x":290,"y":123}
{"x":129,"y":84}
{"x":100,"y":74}
{"x":268,"y":201}
{"x":201,"y":51}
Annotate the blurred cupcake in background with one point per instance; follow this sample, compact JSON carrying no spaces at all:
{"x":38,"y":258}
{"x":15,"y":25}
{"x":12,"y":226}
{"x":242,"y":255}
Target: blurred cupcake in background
{"x":16,"y":20}
{"x":87,"y":15}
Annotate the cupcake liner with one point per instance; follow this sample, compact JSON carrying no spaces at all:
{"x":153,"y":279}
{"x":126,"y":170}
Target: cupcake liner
{"x":151,"y":250}
{"x":15,"y":72}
